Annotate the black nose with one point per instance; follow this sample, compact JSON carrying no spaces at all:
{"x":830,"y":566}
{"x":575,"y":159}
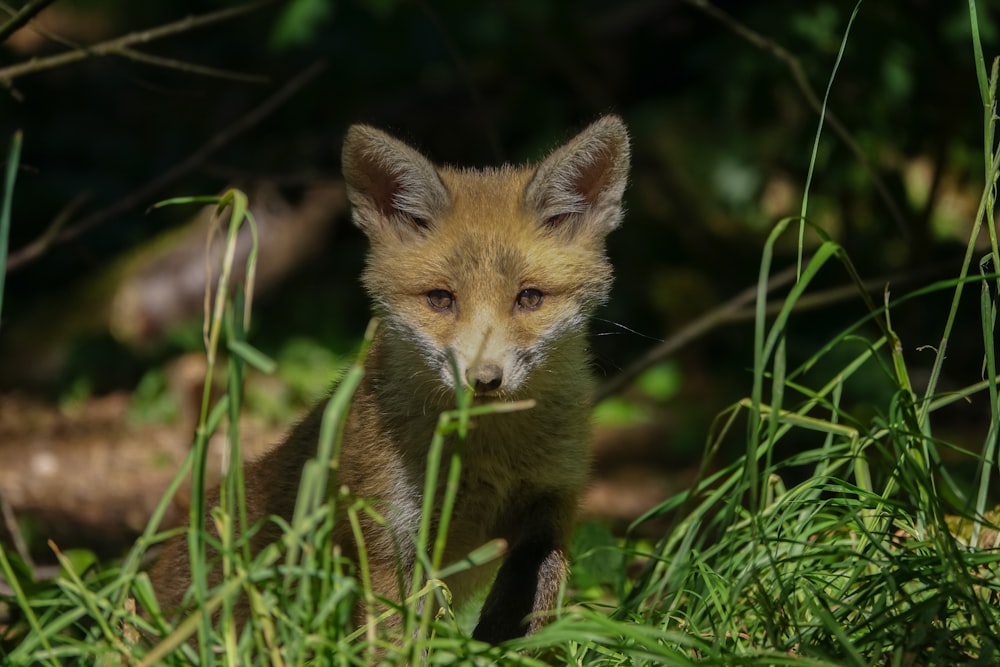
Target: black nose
{"x":485,"y":378}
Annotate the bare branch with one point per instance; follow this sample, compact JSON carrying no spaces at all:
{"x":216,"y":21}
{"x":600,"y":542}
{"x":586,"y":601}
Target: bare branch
{"x":37,"y":247}
{"x":737,"y":310}
{"x":144,"y":193}
{"x":695,"y":329}
{"x":192,"y":68}
{"x":119,"y":45}
{"x":22,"y":16}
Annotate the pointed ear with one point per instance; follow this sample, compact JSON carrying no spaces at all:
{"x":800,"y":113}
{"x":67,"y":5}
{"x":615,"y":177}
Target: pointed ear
{"x":581,"y":183}
{"x":392,"y":187}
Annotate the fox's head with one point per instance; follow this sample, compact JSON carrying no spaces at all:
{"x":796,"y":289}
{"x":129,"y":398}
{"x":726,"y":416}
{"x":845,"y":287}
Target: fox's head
{"x":497,"y":268}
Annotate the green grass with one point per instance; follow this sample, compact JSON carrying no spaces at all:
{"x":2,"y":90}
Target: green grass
{"x":831,"y":539}
{"x":10,"y":175}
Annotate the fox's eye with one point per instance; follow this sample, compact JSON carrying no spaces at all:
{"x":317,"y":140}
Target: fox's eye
{"x":529,"y":299}
{"x":440,"y":299}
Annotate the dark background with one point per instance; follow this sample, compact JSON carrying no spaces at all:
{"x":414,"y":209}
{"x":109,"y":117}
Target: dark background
{"x":722,"y":137}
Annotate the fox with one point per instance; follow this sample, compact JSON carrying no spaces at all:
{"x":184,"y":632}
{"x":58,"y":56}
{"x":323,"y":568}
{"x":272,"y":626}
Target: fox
{"x":493,"y":273}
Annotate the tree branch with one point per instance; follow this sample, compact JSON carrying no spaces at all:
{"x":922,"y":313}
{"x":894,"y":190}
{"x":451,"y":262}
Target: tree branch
{"x":693,"y":330}
{"x":22,"y":16}
{"x":192,"y":68}
{"x":142,"y":195}
{"x":120,"y":45}
{"x":736,"y":310}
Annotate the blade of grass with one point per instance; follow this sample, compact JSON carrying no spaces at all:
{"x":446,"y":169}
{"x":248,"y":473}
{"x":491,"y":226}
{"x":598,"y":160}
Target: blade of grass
{"x":988,"y":318}
{"x":13,"y":160}
{"x":40,"y":630}
{"x":804,"y":210}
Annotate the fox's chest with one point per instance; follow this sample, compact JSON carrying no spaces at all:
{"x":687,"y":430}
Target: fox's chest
{"x":506,"y":462}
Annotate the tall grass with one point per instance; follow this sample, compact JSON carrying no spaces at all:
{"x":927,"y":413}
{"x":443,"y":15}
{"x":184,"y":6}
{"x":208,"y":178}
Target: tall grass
{"x":833,"y":538}
{"x":10,"y":176}
{"x":302,"y":593}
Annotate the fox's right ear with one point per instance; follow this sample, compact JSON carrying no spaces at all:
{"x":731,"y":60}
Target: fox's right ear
{"x":393,"y":189}
{"x":580,"y":185}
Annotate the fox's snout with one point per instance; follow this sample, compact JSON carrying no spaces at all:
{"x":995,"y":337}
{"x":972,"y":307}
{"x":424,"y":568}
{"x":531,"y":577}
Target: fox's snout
{"x":486,"y":359}
{"x":484,"y":378}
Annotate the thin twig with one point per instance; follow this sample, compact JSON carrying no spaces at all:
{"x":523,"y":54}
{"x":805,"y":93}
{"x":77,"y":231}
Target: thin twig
{"x":156,"y":61}
{"x":21,"y":18}
{"x":802,"y":81}
{"x":118,"y":45}
{"x":37,"y":247}
{"x":191,"y":68}
{"x":695,"y":329}
{"x":143,"y":194}
{"x":736,"y":310}
{"x":40,"y":29}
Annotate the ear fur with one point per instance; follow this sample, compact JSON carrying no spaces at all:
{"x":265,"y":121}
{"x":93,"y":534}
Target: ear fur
{"x":391,"y":186}
{"x":582,"y":182}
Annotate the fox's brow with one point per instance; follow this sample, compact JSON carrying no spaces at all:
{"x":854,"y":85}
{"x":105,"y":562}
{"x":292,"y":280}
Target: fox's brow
{"x":496,"y":260}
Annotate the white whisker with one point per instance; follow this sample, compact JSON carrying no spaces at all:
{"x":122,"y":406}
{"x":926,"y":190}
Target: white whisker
{"x":625,"y":328}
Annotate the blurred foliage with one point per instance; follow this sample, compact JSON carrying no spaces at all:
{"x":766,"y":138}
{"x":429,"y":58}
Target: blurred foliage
{"x":722,"y":138}
{"x":151,"y":400}
{"x":306,"y":370}
{"x":300,"y":23}
{"x":598,"y":559}
{"x":619,"y":411}
{"x":656,"y":386}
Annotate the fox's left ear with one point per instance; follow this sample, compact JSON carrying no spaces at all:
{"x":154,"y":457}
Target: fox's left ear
{"x":581,"y":183}
{"x":395,"y":192}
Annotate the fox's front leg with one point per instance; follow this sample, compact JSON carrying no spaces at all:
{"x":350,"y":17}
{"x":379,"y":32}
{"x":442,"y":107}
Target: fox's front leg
{"x":528,"y":582}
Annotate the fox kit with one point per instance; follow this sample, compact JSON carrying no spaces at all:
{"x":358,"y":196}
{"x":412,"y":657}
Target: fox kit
{"x":499,"y":270}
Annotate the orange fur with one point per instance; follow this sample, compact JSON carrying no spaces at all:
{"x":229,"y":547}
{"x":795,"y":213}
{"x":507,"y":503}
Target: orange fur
{"x":499,"y":269}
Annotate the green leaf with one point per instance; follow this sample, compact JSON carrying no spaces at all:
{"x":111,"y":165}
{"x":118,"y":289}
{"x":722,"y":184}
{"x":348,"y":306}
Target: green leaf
{"x":252,"y":356}
{"x":79,"y":560}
